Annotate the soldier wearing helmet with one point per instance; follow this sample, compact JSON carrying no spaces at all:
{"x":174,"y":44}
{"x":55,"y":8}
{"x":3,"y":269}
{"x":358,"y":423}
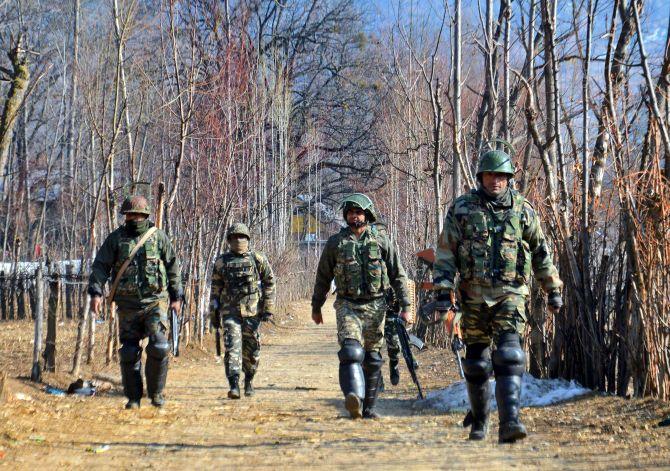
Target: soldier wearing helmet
{"x":143,"y":288}
{"x":242,"y":295}
{"x":493,"y":240}
{"x":364,"y":264}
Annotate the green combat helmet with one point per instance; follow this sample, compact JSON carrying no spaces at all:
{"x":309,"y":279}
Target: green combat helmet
{"x":496,"y":160}
{"x":359,"y":200}
{"x":137,"y":204}
{"x":239,"y":229}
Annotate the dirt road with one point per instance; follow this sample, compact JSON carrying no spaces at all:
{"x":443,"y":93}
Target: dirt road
{"x":296,"y":420}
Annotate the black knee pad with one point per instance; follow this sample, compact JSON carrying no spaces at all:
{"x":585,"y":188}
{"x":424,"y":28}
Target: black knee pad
{"x":130,"y":353}
{"x":509,"y":358}
{"x":477,"y":363}
{"x":373,"y":360}
{"x":351,"y":352}
{"x":158,"y":346}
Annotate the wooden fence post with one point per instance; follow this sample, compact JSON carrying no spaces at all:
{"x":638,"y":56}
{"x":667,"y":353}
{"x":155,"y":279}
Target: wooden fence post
{"x":36,"y":373}
{"x":52,"y":322}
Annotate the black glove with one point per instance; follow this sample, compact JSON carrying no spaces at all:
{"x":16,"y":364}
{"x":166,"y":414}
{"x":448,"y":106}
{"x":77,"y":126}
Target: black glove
{"x":554,"y":300}
{"x":265,"y":316}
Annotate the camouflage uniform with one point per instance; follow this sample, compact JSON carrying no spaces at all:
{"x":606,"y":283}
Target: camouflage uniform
{"x":493,"y":242}
{"x":150,"y":281}
{"x":237,"y":302}
{"x":493,"y":250}
{"x":363,"y":269}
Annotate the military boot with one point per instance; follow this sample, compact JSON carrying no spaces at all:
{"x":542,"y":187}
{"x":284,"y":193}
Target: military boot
{"x":479,"y":409}
{"x":131,"y":375}
{"x":394,"y":371}
{"x":508,"y":393}
{"x":156,"y":373}
{"x":248,"y":385}
{"x":351,"y":376}
{"x":372,"y":367}
{"x":234,"y":382}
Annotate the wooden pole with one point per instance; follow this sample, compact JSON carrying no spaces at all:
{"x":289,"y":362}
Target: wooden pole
{"x":52,"y":321}
{"x":36,"y":373}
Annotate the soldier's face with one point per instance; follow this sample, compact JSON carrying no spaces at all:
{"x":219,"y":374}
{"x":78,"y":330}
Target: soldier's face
{"x":135,"y":217}
{"x":495,"y":183}
{"x":355,"y":217}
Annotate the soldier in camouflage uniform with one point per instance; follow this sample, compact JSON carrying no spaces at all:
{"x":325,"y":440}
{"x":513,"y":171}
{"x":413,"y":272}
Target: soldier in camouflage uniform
{"x":364,"y":264}
{"x":151,"y":281}
{"x":492,"y":238}
{"x":239,"y":304}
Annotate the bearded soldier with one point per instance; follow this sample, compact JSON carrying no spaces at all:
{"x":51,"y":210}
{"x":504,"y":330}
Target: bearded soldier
{"x":364,"y":264}
{"x":492,"y":238}
{"x":242,"y":295}
{"x":146,"y":275}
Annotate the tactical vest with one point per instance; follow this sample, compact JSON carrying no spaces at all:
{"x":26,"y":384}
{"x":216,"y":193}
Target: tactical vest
{"x":492,"y":246}
{"x":241,"y":277}
{"x":145,"y":276}
{"x":360,"y":271}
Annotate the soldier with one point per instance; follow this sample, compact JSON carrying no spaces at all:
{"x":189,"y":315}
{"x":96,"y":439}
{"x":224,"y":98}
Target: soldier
{"x":492,"y":238}
{"x":145,"y":270}
{"x":391,"y":336}
{"x":364,"y":264}
{"x":239,"y":304}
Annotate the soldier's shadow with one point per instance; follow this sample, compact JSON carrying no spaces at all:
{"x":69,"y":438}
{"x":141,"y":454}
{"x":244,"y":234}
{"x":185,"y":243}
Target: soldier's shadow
{"x":386,"y":407}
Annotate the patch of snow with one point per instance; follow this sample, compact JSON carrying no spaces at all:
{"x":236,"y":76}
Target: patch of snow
{"x":534,"y":393}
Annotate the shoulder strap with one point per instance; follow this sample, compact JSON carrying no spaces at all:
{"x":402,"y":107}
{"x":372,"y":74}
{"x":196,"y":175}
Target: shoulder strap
{"x":123,"y":268}
{"x":256,"y":256}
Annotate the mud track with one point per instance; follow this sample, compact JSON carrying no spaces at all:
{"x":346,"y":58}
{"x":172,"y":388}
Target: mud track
{"x":296,"y":419}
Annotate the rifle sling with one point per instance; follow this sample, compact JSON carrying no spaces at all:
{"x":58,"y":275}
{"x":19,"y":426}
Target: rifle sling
{"x":125,"y":264}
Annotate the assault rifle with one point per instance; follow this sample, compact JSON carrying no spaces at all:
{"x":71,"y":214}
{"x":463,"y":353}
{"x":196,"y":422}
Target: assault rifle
{"x":457,"y":344}
{"x":406,"y":341}
{"x":218,"y":341}
{"x":175,"y":330}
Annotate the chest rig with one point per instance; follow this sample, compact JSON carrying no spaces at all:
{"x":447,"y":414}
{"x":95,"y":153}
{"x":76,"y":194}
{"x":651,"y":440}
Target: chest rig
{"x":360,"y":271}
{"x":492,"y":248}
{"x":241,"y":277}
{"x":146,"y":275}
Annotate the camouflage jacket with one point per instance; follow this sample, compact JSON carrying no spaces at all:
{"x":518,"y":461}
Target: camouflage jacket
{"x":493,"y":249}
{"x":363,"y":268}
{"x":235,"y":285}
{"x":152,"y":275}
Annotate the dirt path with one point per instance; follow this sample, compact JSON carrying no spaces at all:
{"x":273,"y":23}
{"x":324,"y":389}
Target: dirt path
{"x":296,"y":420}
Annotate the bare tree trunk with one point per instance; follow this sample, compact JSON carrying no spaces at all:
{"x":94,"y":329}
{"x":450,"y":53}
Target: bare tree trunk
{"x":19,"y":80}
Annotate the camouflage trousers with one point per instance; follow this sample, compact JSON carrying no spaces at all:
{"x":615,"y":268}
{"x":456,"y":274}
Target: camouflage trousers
{"x":363,"y":322}
{"x":242,"y":342}
{"x":134,"y":325}
{"x":481,"y":323}
{"x":392,"y":340}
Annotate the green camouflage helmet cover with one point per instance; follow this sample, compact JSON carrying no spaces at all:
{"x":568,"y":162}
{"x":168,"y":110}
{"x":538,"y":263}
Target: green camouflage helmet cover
{"x":496,"y":161}
{"x":359,"y":200}
{"x":239,"y":229}
{"x":137,"y":204}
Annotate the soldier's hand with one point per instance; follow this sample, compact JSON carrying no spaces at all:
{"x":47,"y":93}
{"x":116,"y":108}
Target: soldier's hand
{"x":445,"y":301}
{"x":555,"y":301}
{"x":317,"y":317}
{"x":266,"y":316}
{"x":407,"y":317}
{"x":96,"y":304}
